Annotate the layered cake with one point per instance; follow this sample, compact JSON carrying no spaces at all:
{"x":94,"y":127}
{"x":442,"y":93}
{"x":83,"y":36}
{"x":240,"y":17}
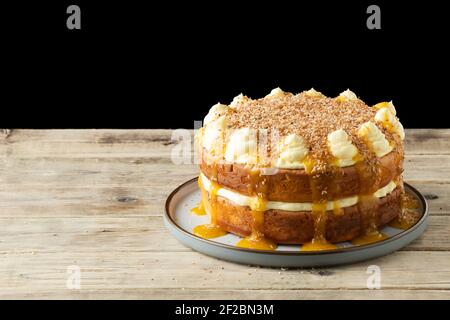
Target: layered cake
{"x":300,"y":169}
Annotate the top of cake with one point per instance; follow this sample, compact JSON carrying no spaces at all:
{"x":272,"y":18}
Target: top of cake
{"x":284,"y":129}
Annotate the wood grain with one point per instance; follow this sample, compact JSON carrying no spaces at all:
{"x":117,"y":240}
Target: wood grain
{"x":95,"y":199}
{"x":136,"y":234}
{"x":238,"y":294}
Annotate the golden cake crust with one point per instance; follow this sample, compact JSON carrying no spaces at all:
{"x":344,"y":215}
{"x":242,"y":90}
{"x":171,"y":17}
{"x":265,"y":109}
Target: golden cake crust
{"x":288,"y":227}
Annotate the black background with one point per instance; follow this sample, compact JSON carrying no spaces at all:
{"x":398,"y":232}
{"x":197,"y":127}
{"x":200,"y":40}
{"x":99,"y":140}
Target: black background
{"x":165,"y":309}
{"x":162,"y":65}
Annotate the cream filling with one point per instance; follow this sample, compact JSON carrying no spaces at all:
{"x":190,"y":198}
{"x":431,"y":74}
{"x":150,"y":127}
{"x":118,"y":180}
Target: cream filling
{"x":243,"y":200}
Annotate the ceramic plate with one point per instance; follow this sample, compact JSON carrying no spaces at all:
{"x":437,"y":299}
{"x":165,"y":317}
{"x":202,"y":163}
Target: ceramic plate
{"x":180,"y":222}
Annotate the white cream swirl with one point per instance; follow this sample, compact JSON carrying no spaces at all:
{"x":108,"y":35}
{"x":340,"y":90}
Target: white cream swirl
{"x":374,"y":138}
{"x":291,"y":153}
{"x":341,"y":148}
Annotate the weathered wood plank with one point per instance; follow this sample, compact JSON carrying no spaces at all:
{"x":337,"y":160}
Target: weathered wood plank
{"x":89,"y":234}
{"x":217,"y":294}
{"x":53,"y":202}
{"x":427,"y":141}
{"x":93,"y":172}
{"x":137,"y":234}
{"x":88,"y":143}
{"x":433,"y":168}
{"x":111,"y":270}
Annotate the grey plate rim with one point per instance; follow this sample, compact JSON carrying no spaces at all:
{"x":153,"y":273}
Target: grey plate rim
{"x":169,"y":219}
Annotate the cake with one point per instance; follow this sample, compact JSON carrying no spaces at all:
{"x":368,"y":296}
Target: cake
{"x":300,"y":169}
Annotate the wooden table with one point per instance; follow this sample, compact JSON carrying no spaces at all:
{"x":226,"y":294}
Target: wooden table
{"x":94,"y":200}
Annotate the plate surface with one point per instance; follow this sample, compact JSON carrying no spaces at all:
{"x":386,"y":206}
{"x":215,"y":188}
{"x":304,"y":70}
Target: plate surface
{"x":180,"y":222}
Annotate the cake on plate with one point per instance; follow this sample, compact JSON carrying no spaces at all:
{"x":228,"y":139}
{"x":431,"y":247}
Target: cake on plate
{"x":300,"y":169}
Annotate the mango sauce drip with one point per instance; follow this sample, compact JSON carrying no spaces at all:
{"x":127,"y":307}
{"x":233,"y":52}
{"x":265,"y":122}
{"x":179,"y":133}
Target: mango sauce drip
{"x":318,"y":184}
{"x":200,"y":208}
{"x":408,"y":214}
{"x":256,"y":240}
{"x":210,"y":230}
{"x":369,"y":175}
